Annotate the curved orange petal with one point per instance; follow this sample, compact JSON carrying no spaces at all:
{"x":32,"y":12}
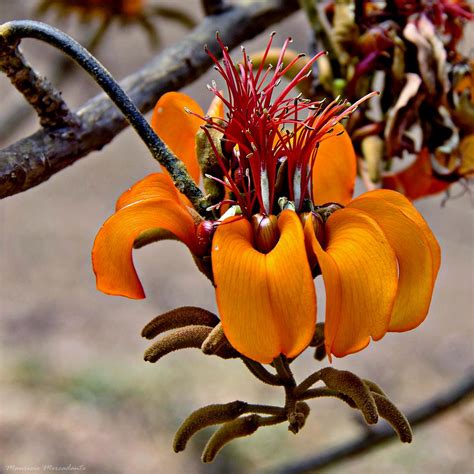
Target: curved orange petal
{"x":359,"y":269}
{"x":112,"y":252}
{"x":335,"y":168}
{"x":153,"y":186}
{"x":267,"y":302}
{"x":415,"y":261}
{"x":417,"y":180}
{"x":410,"y":211}
{"x":178,"y":128}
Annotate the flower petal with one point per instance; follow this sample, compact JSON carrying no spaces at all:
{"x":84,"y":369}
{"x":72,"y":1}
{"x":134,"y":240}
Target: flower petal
{"x":267,"y":302}
{"x":153,"y":186}
{"x":334,"y":170}
{"x":178,"y":128}
{"x":360,"y":276}
{"x":112,"y":252}
{"x":410,"y":211}
{"x":415,"y":261}
{"x":417,"y":180}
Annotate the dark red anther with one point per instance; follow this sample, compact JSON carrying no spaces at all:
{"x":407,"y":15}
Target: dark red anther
{"x":204,"y":233}
{"x":266,"y":232}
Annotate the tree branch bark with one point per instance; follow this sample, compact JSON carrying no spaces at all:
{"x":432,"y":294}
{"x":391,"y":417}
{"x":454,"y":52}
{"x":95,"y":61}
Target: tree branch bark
{"x":35,"y":159}
{"x":379,"y":434}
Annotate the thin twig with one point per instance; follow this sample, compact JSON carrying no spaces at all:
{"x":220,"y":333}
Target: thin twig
{"x":38,"y":92}
{"x":373,"y":437}
{"x":35,"y":159}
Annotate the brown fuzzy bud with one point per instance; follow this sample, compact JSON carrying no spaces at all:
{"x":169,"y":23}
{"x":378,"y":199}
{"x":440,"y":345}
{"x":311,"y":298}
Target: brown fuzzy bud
{"x":183,"y":338}
{"x":214,"y":341}
{"x":395,"y":417}
{"x":217,"y":344}
{"x":178,"y":318}
{"x":297,"y":418}
{"x":349,"y":384}
{"x":244,"y":426}
{"x":374,"y":388}
{"x":206,"y":416}
{"x":266,"y":232}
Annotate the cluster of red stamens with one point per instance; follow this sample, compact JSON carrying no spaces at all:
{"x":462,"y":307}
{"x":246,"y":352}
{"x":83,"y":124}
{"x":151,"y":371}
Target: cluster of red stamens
{"x":263,"y":135}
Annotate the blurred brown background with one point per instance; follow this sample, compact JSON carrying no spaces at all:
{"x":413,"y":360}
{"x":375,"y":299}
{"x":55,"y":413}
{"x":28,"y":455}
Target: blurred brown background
{"x":75,"y":390}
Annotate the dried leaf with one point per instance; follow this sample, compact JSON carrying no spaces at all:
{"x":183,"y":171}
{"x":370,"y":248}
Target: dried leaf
{"x":403,"y":114}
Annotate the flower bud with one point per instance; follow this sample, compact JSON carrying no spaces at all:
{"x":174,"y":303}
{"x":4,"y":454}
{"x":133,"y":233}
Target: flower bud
{"x":266,"y":232}
{"x":204,"y":232}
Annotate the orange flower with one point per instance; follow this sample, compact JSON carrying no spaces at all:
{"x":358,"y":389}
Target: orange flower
{"x":283,"y":176}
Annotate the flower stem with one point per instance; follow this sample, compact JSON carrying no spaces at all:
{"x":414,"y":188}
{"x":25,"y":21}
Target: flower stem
{"x":14,"y":31}
{"x":261,"y":373}
{"x":283,"y":370}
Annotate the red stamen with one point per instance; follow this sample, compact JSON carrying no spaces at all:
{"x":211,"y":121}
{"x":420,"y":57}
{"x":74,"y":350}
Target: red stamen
{"x":254,"y":143}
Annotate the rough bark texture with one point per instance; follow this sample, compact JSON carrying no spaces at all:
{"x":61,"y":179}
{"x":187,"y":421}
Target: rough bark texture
{"x":47,"y":102}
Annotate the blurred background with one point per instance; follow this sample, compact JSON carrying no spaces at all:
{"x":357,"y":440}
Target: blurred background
{"x":75,"y":390}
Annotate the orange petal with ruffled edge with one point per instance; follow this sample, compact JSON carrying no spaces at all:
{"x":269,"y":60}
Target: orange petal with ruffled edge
{"x":410,"y":211}
{"x":360,"y":275}
{"x":415,"y":261}
{"x":112,"y":252}
{"x":335,"y":168}
{"x":178,"y":128}
{"x":417,"y":180}
{"x":267,"y":302}
{"x":153,"y":186}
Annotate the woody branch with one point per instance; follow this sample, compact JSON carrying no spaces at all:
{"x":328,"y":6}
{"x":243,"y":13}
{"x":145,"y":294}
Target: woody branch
{"x":35,"y":159}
